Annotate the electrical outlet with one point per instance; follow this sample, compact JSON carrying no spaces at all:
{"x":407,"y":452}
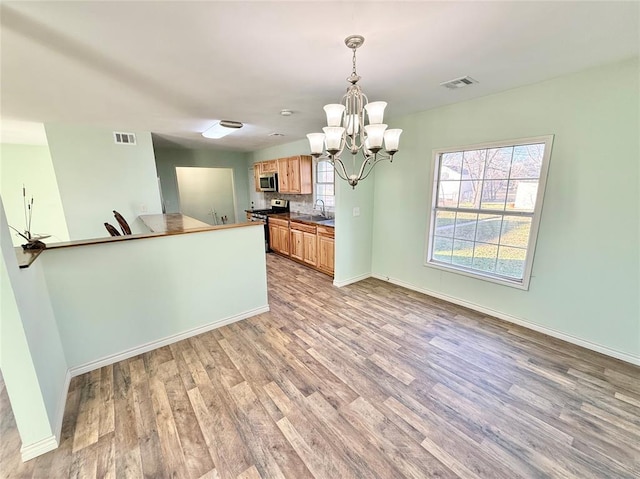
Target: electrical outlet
{"x":356,"y":211}
{"x":143,"y":208}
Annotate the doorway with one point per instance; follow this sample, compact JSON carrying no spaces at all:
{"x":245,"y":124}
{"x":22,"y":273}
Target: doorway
{"x":207,"y":194}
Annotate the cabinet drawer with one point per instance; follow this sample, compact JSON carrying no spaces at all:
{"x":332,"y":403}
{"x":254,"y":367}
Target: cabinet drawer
{"x":303,"y":227}
{"x":279,"y":222}
{"x":326,"y":231}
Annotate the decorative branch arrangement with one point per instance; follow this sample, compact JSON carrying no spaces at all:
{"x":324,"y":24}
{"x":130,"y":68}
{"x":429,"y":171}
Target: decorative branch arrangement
{"x":33,"y":242}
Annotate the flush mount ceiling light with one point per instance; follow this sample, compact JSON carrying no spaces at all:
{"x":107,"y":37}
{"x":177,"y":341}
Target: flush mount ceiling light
{"x":222,"y":128}
{"x":346,"y":129}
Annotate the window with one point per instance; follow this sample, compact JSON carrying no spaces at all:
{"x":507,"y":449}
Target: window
{"x":486,"y":208}
{"x":325,"y":189}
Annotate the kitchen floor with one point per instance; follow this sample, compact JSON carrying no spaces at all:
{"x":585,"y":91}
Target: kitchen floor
{"x":369,"y":380}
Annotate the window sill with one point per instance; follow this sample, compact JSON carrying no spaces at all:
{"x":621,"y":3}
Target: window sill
{"x":512,"y":283}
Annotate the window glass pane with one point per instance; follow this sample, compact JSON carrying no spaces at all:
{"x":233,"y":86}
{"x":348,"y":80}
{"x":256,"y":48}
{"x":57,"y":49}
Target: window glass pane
{"x":484,"y":257}
{"x":462,"y":253}
{"x":524,"y":194}
{"x":445,"y":223}
{"x":498,"y":163}
{"x":466,"y":226}
{"x":527,"y":161}
{"x":473,"y":164}
{"x":442,"y":249}
{"x":451,"y":166}
{"x":491,"y":196}
{"x":494,"y":194}
{"x":511,"y":262}
{"x":488,"y":229}
{"x":448,"y":193}
{"x":515,"y":231}
{"x":470,"y":194}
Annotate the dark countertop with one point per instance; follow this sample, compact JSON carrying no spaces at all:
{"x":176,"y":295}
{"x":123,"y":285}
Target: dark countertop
{"x":313,"y":220}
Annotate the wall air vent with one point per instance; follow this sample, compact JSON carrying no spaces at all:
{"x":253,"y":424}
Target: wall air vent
{"x":124,"y":138}
{"x":458,"y":83}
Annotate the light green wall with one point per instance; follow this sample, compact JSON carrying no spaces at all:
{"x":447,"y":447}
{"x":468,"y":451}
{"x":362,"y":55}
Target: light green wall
{"x":585,"y":274}
{"x":299,"y":147}
{"x":109,"y":298}
{"x":31,"y":166}
{"x":31,"y":357}
{"x":353,"y":234}
{"x":167,"y":159}
{"x":96,"y":176}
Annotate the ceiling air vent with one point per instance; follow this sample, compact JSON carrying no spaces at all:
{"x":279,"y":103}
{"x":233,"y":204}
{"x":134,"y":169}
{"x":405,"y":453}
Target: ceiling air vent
{"x":124,"y":138}
{"x":458,"y":83}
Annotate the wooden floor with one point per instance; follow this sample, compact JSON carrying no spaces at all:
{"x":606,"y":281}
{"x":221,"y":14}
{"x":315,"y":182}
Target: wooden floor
{"x":367,"y":381}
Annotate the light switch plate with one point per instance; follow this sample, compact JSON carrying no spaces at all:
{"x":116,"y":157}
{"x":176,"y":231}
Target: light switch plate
{"x":356,"y":211}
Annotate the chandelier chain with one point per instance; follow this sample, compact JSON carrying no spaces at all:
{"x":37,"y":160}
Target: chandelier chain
{"x":354,"y":62}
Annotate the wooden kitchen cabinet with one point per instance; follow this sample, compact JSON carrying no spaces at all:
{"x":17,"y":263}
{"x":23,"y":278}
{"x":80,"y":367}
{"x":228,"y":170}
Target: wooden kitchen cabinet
{"x":297,"y":244}
{"x":279,"y":235}
{"x":294,"y":175}
{"x":270,"y":166}
{"x":303,"y":242}
{"x":326,"y":248}
{"x":256,"y":176}
{"x":310,"y":242}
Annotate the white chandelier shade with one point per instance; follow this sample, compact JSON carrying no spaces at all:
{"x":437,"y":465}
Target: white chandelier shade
{"x":347,"y":129}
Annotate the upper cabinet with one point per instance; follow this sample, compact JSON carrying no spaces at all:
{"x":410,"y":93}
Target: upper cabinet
{"x":270,"y":166}
{"x":294,"y":175}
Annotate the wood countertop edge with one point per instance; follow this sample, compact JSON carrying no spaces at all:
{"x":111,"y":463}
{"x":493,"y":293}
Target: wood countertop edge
{"x":26,"y":259}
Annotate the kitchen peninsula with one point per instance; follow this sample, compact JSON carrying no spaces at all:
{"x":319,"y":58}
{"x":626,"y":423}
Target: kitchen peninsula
{"x":117,"y":297}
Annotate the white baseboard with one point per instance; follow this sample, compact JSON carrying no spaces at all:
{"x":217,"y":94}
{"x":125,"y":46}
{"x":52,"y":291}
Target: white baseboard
{"x":61,"y":404}
{"x":355,"y":279}
{"x":629,"y":358}
{"x":36,"y":449}
{"x":129,"y":353}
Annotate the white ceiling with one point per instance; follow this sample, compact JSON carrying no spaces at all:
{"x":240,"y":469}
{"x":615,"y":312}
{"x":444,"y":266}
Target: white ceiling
{"x":174,"y":68}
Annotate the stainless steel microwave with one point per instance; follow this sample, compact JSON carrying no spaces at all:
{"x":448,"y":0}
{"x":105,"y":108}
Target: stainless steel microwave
{"x":269,"y":182}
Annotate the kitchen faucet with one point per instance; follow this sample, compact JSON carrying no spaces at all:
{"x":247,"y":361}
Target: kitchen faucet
{"x":322,"y":212}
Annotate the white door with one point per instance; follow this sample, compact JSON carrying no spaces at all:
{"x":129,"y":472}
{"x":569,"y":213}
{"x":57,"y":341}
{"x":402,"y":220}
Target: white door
{"x":207,"y":194}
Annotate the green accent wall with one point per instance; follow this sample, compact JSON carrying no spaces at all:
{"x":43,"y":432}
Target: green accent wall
{"x":31,"y":165}
{"x":585,"y":281}
{"x":96,"y":176}
{"x":167,"y":159}
{"x":33,"y":363}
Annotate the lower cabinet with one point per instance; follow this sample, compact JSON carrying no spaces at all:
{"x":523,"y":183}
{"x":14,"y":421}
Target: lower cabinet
{"x":305,"y":243}
{"x":326,"y":248}
{"x":310,"y":242}
{"x":279,"y":235}
{"x":297,"y":244}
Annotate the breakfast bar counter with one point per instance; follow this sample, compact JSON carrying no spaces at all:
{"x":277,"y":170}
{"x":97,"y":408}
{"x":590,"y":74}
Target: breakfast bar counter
{"x":172,"y":223}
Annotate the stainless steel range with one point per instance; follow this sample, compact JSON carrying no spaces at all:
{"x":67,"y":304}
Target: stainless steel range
{"x":278,"y":206}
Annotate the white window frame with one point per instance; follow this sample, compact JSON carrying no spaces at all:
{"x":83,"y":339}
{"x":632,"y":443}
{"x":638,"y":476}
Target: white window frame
{"x":315,"y":182}
{"x":535,"y":218}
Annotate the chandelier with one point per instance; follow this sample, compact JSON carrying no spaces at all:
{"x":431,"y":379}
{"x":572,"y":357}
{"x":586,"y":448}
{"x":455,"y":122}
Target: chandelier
{"x":346,"y":129}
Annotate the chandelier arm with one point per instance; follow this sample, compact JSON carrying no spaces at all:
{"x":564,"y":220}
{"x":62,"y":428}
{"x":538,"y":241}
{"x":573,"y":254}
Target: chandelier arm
{"x":365,"y":163}
{"x":378,"y":160}
{"x":344,"y":175}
